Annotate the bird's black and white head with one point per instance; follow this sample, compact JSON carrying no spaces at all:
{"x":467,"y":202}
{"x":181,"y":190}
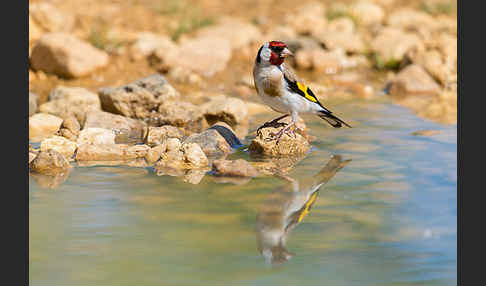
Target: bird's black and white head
{"x":273,"y":53}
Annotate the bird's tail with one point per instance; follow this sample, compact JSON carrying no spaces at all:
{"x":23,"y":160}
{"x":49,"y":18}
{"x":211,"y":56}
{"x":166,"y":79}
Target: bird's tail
{"x":332,"y":120}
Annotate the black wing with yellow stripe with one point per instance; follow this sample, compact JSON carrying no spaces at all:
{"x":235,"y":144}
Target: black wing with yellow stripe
{"x":303,"y":90}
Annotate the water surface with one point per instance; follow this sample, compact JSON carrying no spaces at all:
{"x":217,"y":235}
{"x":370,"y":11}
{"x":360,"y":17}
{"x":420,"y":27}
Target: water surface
{"x":386,"y":218}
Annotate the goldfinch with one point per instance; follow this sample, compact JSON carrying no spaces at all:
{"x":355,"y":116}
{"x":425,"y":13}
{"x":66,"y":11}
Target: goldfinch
{"x":282,"y":91}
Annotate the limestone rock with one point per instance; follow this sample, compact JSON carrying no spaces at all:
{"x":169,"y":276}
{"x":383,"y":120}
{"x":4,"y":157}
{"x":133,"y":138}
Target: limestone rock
{"x":95,"y":135}
{"x":33,"y":98}
{"x":49,"y":18}
{"x":231,"y":110}
{"x":307,"y":19}
{"x":139,"y":98}
{"x":341,"y":33}
{"x":234,"y":168}
{"x":49,"y":162}
{"x":43,"y":125}
{"x":181,"y":114}
{"x":368,"y":13}
{"x":125,"y":129}
{"x":157,"y":135}
{"x":67,"y":56}
{"x":146,"y":43}
{"x":203,"y":55}
{"x":211,"y":142}
{"x":71,"y":101}
{"x":70,"y":128}
{"x":59,"y":144}
{"x":194,"y":155}
{"x":110,"y":152}
{"x":391,"y":45}
{"x":413,"y":80}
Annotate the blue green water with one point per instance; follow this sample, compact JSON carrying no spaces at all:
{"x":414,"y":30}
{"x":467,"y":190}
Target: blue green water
{"x":386,"y":218}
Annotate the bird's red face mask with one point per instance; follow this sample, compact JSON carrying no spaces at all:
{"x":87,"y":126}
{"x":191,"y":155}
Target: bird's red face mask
{"x":279,"y":52}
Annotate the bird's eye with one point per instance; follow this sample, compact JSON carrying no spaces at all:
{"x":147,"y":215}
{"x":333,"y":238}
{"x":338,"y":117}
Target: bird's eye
{"x":278,"y":49}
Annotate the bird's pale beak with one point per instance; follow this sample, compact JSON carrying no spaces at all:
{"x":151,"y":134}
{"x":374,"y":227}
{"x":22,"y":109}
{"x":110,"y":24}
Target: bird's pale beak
{"x":285,"y":53}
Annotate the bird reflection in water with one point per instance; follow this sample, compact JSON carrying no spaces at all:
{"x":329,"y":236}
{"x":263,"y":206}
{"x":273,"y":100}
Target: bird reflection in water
{"x":286,"y":207}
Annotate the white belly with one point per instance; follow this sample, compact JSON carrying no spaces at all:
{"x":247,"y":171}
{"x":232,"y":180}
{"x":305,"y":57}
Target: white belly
{"x":288,"y":103}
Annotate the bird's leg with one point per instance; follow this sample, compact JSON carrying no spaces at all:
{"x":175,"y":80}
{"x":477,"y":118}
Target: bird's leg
{"x":286,"y":130}
{"x":273,"y":123}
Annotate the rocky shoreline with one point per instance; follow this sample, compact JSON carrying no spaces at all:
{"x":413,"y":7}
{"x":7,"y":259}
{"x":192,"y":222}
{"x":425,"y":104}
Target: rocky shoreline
{"x":177,"y":120}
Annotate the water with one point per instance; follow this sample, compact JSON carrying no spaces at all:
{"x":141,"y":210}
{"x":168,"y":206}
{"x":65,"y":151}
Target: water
{"x":386,"y":218}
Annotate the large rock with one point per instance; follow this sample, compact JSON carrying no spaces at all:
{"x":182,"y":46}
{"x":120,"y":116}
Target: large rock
{"x":413,"y":80}
{"x":175,"y":161}
{"x":181,"y":114}
{"x":49,"y":18}
{"x":368,"y":13}
{"x":49,"y":162}
{"x":438,"y":66}
{"x":307,"y":19}
{"x":146,"y":43}
{"x":43,"y":125}
{"x":203,"y":55}
{"x":70,"y":128}
{"x":247,"y":33}
{"x":231,"y":110}
{"x":110,"y":152}
{"x":95,"y":135}
{"x":66,"y":55}
{"x":33,"y":98}
{"x":410,"y":19}
{"x":125,"y":129}
{"x":341,"y":34}
{"x":392,"y":44}
{"x":330,"y":62}
{"x":59,"y":144}
{"x":71,"y":101}
{"x":157,"y":135}
{"x":234,"y":168}
{"x":263,"y":144}
{"x":211,"y":142}
{"x":171,"y":146}
{"x":139,"y":98}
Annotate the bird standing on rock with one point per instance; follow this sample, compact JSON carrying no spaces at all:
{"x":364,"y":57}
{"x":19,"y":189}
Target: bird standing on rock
{"x":280,"y":89}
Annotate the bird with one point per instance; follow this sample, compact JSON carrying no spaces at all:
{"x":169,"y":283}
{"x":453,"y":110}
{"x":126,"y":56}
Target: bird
{"x":281,"y":90}
{"x":286,"y":207}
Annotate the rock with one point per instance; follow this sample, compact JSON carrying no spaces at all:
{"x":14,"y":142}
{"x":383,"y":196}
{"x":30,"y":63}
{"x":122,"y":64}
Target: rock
{"x":185,"y":76}
{"x":32,"y":156}
{"x":211,"y":143}
{"x":154,"y":154}
{"x":341,"y":34}
{"x":110,"y":152}
{"x":71,"y":101}
{"x":425,"y":132}
{"x":211,"y":55}
{"x":307,"y":19}
{"x":35,"y":32}
{"x":95,"y":135}
{"x":288,"y":145}
{"x":194,"y":155}
{"x":50,"y":181}
{"x":284,"y":32}
{"x":50,"y":19}
{"x":329,"y":62}
{"x":157,"y":135}
{"x":146,"y":43}
{"x":49,"y":162}
{"x":257,"y":108}
{"x":247,"y":33}
{"x":43,"y":125}
{"x":60,"y":144}
{"x":355,"y":83}
{"x":234,"y":168}
{"x":139,"y":98}
{"x":406,"y":18}
{"x":125,"y":129}
{"x":391,"y":45}
{"x":67,"y":56}
{"x":368,"y":13}
{"x":413,"y":80}
{"x":171,"y":146}
{"x":181,"y":114}
{"x":33,"y":98}
{"x":433,"y":61}
{"x":231,"y":110}
{"x":70,"y":128}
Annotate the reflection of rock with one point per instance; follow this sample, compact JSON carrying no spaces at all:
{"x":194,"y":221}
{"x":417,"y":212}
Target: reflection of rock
{"x":263,"y":144}
{"x":138,"y":162}
{"x":49,"y":162}
{"x":231,"y":180}
{"x":234,"y":168}
{"x":276,"y":166}
{"x":286,"y":207}
{"x":50,"y":181}
{"x":139,"y":98}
